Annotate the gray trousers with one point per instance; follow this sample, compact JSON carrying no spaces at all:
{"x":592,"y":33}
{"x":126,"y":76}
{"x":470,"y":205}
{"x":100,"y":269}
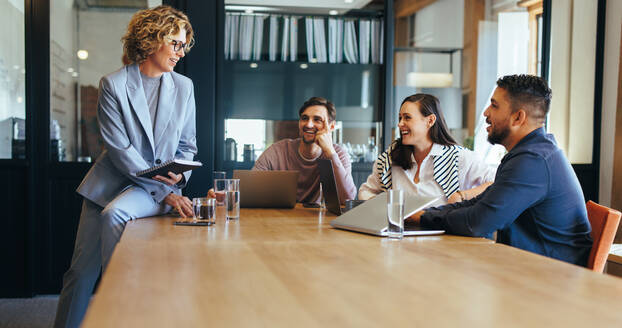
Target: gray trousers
{"x":99,"y":232}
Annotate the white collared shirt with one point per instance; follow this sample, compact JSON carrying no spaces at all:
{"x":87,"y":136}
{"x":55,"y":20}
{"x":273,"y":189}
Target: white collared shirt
{"x":472,"y":172}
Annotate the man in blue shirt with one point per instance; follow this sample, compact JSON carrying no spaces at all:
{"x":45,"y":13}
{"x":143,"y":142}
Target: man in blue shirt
{"x":536,"y":202}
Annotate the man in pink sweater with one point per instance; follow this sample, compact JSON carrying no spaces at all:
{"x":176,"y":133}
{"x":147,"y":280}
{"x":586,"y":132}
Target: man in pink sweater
{"x":317,"y":121}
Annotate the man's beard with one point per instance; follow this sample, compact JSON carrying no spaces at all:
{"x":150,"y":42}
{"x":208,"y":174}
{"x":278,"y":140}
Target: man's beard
{"x":308,"y":142}
{"x":497,"y":136}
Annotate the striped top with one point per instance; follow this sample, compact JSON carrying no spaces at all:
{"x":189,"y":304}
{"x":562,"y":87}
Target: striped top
{"x":445,"y":170}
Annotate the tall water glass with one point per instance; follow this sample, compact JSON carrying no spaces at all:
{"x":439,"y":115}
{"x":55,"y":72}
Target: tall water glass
{"x":220,"y":189}
{"x":232,"y":199}
{"x":219,"y":175}
{"x":395,"y":213}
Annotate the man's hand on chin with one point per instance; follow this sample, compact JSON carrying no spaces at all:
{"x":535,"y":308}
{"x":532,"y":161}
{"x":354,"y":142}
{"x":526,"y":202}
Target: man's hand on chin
{"x":325,"y":141}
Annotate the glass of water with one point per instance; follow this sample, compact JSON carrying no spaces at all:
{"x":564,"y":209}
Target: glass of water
{"x":232,"y":199}
{"x":204,"y":209}
{"x":220,"y":189}
{"x":197,"y":204}
{"x":208,"y":211}
{"x":395,"y":213}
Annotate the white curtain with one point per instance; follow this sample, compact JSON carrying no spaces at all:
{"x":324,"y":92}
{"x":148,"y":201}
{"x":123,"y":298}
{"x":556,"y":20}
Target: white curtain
{"x":293,"y":38}
{"x":258,"y":37}
{"x":246,"y":36}
{"x":364,"y":40}
{"x":319,"y":36}
{"x":285,"y":39}
{"x":350,"y":47}
{"x":274,"y":36}
{"x":335,"y":40}
{"x":309,"y":34}
{"x":227,"y":35}
{"x":233,"y":43}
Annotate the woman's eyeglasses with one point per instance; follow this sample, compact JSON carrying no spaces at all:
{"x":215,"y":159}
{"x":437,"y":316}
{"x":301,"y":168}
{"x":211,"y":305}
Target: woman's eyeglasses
{"x":178,"y":45}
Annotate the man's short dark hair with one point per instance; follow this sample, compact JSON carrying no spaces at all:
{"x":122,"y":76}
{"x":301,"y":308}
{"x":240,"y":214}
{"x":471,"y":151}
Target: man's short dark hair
{"x":528,"y":92}
{"x":319,"y":101}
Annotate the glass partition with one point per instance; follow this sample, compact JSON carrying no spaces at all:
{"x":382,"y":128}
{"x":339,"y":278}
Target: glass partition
{"x":264,"y":97}
{"x":12,"y":81}
{"x":278,"y":57}
{"x":85,"y":44}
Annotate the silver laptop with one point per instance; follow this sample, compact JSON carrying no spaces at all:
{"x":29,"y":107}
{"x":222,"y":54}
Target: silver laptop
{"x":269,"y":189}
{"x":371,"y":216}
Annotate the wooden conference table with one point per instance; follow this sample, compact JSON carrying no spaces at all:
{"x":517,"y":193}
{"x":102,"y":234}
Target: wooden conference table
{"x":276,"y":268}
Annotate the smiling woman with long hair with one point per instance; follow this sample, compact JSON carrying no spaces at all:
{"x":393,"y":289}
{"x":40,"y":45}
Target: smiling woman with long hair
{"x":426,"y":159}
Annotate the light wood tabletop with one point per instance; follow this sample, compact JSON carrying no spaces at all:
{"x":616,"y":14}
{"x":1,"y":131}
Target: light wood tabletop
{"x":276,"y":268}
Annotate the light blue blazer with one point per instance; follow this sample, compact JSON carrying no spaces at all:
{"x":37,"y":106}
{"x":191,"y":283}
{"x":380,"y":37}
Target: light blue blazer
{"x":131,"y":144}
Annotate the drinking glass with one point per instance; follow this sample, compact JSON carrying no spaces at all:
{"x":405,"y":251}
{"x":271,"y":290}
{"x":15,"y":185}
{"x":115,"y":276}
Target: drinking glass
{"x":395,"y":213}
{"x":203,"y":209}
{"x":232,"y":199}
{"x":220,"y":189}
{"x":208,"y":211}
{"x":219,"y":175}
{"x":196,"y":208}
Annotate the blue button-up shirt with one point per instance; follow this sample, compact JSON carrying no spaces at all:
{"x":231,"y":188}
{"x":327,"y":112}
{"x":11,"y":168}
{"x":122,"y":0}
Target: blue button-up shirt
{"x":536,"y":204}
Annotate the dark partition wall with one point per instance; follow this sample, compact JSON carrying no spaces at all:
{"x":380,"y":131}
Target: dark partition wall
{"x":14,"y":281}
{"x":200,"y":66}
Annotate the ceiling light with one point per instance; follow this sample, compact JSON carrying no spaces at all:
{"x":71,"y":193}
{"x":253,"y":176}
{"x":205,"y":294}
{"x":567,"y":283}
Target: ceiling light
{"x":83,"y":54}
{"x":254,"y":65}
{"x":252,"y":8}
{"x":248,"y":11}
{"x":348,"y":1}
{"x":304,"y":66}
{"x":70,"y":70}
{"x":333,"y":12}
{"x":313,"y":60}
{"x":74,"y":74}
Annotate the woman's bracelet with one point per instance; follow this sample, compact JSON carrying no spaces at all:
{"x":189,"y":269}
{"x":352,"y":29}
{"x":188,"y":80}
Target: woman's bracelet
{"x":462,"y":195}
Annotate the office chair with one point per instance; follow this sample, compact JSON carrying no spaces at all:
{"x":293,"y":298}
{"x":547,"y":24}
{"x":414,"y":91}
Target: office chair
{"x":604,"y":223}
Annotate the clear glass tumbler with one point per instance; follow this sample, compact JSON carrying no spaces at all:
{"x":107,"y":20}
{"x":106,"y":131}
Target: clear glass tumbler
{"x":220,"y":189}
{"x":208,"y":211}
{"x":232,"y":199}
{"x":197,"y":203}
{"x":219,"y":175}
{"x":395,"y":213}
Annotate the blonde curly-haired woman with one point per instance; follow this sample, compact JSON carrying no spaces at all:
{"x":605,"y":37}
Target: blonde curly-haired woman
{"x":146,"y":115}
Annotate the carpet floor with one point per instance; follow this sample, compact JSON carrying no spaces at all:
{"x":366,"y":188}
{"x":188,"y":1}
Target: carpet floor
{"x":36,"y":312}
